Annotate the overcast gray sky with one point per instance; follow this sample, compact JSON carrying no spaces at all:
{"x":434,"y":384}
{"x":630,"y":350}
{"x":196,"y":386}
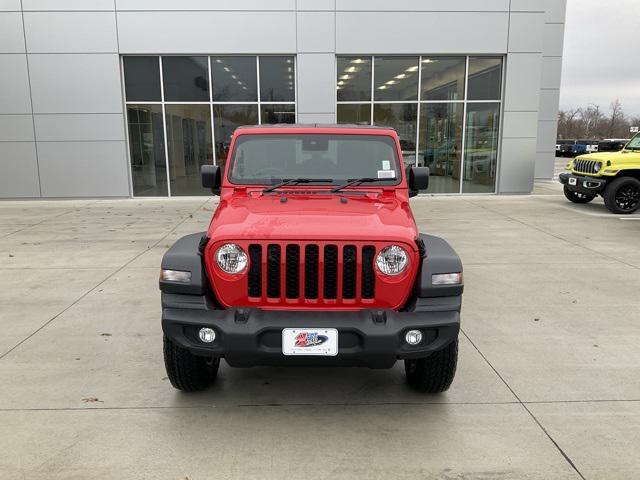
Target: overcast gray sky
{"x":601,"y":52}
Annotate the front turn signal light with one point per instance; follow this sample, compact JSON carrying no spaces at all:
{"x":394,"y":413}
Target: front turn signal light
{"x":446,"y":279}
{"x":175,"y":276}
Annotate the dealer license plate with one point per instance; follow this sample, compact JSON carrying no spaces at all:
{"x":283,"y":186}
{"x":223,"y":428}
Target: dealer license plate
{"x":310,"y":341}
{"x":573,"y":181}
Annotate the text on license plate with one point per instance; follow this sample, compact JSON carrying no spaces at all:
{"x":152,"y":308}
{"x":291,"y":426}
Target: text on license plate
{"x":310,"y":341}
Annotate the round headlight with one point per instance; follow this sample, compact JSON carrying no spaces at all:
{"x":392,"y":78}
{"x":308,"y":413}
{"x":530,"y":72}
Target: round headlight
{"x":597,"y":167}
{"x":392,"y":260}
{"x":231,"y":258}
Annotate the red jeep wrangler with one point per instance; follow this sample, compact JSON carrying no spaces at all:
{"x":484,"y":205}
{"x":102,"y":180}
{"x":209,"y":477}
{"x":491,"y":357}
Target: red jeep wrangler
{"x":312,"y":257}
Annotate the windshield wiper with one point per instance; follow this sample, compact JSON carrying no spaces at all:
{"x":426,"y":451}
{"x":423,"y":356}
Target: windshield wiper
{"x":294,"y":181}
{"x":358,"y":181}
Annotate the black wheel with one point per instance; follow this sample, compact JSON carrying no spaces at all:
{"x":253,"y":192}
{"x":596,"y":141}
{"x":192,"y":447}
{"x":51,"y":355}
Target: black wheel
{"x":622,"y":195}
{"x":434,"y":373}
{"x":577,"y":197}
{"x":186,"y":371}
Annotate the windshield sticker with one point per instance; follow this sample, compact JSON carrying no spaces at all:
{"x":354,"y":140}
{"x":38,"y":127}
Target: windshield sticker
{"x":386,"y":165}
{"x":386,"y":174}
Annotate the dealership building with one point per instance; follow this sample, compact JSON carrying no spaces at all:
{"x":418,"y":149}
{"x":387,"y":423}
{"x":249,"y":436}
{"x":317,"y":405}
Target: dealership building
{"x":127,"y":98}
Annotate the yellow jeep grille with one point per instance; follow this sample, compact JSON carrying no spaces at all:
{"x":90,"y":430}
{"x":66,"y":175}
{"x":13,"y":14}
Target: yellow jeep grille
{"x":585,"y":166}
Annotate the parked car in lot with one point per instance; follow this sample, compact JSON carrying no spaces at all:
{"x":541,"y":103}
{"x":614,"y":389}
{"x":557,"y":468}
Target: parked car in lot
{"x":613,"y":175}
{"x":564,"y":148}
{"x":612,"y":145}
{"x":312,"y":257}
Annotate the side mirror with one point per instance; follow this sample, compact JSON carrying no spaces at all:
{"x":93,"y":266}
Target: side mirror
{"x":211,"y":178}
{"x":418,"y":178}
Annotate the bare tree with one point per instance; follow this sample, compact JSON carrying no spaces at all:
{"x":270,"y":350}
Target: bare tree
{"x":616,"y":120}
{"x":591,"y":118}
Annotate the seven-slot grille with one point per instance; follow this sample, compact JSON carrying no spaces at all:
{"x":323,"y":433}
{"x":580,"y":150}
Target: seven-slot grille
{"x":311,"y":273}
{"x":585,"y":166}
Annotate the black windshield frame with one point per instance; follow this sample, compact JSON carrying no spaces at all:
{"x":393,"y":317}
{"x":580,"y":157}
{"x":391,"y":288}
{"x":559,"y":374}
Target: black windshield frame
{"x":390,"y":140}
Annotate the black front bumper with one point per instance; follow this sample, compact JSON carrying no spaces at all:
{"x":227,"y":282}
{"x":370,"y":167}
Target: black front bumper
{"x":250,"y":337}
{"x":583,"y":184}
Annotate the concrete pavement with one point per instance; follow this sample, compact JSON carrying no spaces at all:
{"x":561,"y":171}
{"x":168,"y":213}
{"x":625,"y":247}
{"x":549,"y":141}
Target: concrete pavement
{"x":548,"y":384}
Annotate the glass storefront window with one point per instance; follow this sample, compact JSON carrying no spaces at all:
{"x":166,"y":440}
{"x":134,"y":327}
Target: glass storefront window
{"x":186,"y":79}
{"x":189,"y":146}
{"x":226,"y":118}
{"x":142,"y":79}
{"x":146,"y":149}
{"x":485,"y":78}
{"x":278,"y":113}
{"x":234,"y":79}
{"x":395,"y":78}
{"x":358,"y":114}
{"x":437,"y":95}
{"x":443,"y":78}
{"x":403,"y":118}
{"x":194,"y":86}
{"x":441,"y":145}
{"x":277,"y":79}
{"x":354,"y":79}
{"x":481,"y":148}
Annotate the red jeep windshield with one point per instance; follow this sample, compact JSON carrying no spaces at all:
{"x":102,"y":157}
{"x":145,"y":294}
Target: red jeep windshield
{"x":267,"y":159}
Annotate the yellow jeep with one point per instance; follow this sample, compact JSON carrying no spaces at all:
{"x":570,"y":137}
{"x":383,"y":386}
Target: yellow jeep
{"x":614,"y":175}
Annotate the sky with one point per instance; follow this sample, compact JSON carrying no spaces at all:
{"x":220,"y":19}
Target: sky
{"x":601,"y":52}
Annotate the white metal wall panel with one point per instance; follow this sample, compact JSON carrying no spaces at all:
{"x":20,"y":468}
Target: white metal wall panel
{"x":83,"y":169}
{"x":14,"y":84}
{"x":70,"y":83}
{"x":316,"y":32}
{"x":424,"y":5}
{"x":11,"y":33}
{"x":546,"y":139}
{"x":516,"y":170}
{"x":525,"y":32}
{"x":316,"y":83}
{"x":16,"y":128}
{"x":316,"y":5}
{"x":549,"y":100}
{"x":238,"y":5}
{"x":9,"y":5}
{"x":316,"y":118}
{"x":522,"y":82}
{"x":71,"y":32}
{"x":520,"y":124}
{"x":421,"y":32}
{"x":80,"y":127}
{"x":18,"y":170}
{"x":553,"y":39}
{"x":207,"y":32}
{"x":68,"y":5}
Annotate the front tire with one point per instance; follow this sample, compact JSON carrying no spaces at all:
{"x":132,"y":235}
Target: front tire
{"x":434,"y":373}
{"x":622,"y":195}
{"x":186,"y":371}
{"x":577,"y":197}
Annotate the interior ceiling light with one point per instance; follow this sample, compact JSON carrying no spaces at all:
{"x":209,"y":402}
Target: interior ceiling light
{"x":218,"y":60}
{"x":382,"y":87}
{"x":289,"y":69}
{"x":234,"y":77}
{"x":357,"y":60}
{"x":345,"y":77}
{"x":412,"y":69}
{"x":352,"y":69}
{"x":428,"y":60}
{"x":340,"y":82}
{"x":402,"y":75}
{"x":390,"y":82}
{"x":226,"y":69}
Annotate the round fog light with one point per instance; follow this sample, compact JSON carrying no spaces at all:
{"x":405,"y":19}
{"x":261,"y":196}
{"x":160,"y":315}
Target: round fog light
{"x":207,"y":335}
{"x":413,"y":337}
